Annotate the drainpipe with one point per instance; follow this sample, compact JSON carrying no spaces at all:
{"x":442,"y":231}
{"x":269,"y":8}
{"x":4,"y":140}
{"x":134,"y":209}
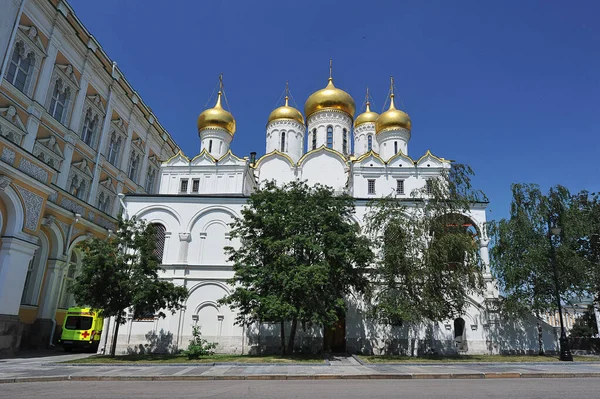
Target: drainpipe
{"x":122,"y":201}
{"x":65,"y":252}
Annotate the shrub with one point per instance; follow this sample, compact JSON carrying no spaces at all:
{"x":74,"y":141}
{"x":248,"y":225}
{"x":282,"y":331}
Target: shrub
{"x":199,"y":346}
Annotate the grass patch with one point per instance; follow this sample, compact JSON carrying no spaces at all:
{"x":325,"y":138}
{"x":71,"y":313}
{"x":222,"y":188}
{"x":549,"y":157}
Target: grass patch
{"x":167,"y":358}
{"x":471,"y":359}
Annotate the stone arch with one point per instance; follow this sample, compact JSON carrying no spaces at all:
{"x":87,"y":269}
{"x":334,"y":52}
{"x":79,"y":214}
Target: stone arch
{"x":57,"y":241}
{"x":12,"y":222}
{"x":214,"y":320}
{"x":158,"y":209}
{"x":208,"y":210}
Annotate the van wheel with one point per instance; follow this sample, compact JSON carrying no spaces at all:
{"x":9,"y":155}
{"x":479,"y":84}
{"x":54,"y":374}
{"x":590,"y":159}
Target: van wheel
{"x":68,"y":349}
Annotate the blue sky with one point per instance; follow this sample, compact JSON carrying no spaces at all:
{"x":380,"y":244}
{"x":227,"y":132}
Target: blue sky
{"x":511,"y":88}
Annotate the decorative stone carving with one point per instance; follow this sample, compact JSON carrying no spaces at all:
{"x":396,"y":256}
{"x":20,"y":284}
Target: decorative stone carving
{"x":53,"y":197}
{"x":33,"y":170}
{"x":8,"y":155}
{"x":33,"y":207}
{"x":11,"y":125}
{"x":49,"y":220}
{"x":72,"y":206}
{"x":4,"y":182}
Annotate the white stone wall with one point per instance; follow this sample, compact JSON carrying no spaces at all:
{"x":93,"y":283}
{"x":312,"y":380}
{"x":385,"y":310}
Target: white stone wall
{"x":392,"y":142}
{"x":294,"y":137}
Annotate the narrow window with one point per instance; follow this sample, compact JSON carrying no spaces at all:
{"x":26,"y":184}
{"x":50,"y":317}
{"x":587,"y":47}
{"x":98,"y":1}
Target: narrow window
{"x":369,"y":143}
{"x":159,"y":231}
{"x":371,"y":186}
{"x":345,"y":141}
{"x":329,"y":137}
{"x":150,"y":176}
{"x":282,"y":142}
{"x":314,"y":139}
{"x":58,"y":104}
{"x":20,"y":67}
{"x":134,"y":160}
{"x":429,"y":185}
{"x":395,"y":147}
{"x":399,"y":186}
{"x":210,"y":146}
{"x":184,"y":186}
{"x":195,"y":185}
{"x":114,"y":148}
{"x":90,"y":125}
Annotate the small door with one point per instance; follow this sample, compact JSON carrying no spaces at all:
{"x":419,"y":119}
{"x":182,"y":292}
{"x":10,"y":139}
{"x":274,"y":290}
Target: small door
{"x":334,"y":337}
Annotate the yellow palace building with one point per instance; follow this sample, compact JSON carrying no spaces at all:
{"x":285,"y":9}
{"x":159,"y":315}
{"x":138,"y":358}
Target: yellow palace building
{"x":73,"y":135}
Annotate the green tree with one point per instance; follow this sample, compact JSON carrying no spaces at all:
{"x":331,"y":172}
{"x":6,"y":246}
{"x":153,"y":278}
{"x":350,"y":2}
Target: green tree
{"x":585,"y":325}
{"x":122,"y":272}
{"x":301,"y":255}
{"x":523,"y":252}
{"x":428,"y":258}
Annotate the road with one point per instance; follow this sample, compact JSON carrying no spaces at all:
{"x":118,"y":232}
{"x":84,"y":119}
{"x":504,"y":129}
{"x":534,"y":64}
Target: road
{"x":546,"y":388}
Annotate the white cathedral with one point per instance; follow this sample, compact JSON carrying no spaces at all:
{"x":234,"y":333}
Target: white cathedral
{"x":367,"y":157}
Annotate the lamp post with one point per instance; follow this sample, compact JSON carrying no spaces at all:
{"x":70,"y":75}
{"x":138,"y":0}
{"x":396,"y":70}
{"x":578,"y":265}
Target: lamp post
{"x":565,"y":352}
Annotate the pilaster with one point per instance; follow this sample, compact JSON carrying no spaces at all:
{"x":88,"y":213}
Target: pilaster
{"x":65,"y":166}
{"x":101,"y":145}
{"x":78,"y":105}
{"x":54,"y":273}
{"x":46,"y":73}
{"x":15,"y":255}
{"x":33,"y":123}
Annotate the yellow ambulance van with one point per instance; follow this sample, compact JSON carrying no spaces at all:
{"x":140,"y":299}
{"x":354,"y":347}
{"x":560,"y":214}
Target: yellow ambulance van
{"x":81,"y":329}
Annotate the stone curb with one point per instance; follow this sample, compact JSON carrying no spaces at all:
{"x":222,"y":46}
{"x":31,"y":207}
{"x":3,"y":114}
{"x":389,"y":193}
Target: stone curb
{"x":391,"y":376}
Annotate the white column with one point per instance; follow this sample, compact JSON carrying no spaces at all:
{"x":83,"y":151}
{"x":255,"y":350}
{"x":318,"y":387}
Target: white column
{"x":46,"y":73}
{"x":15,"y":255}
{"x":78,"y":105}
{"x":101,"y":145}
{"x":65,"y":166}
{"x":32,"y":126}
{"x":54,"y":274}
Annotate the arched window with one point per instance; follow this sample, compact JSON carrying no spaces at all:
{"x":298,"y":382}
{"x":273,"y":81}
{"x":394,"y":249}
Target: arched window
{"x":104,"y":203}
{"x":395,"y":147}
{"x":210,"y":146}
{"x":134,"y":161}
{"x":114,"y":148}
{"x":282,"y":142}
{"x":58,"y":104}
{"x":21,"y":65}
{"x":74,"y":188}
{"x":329,"y":137}
{"x":369,"y":142}
{"x":459,"y":328}
{"x":314,"y":139}
{"x":89,"y":127}
{"x":159,"y":233}
{"x":81,"y":191}
{"x":345,"y":141}
{"x":150,"y":177}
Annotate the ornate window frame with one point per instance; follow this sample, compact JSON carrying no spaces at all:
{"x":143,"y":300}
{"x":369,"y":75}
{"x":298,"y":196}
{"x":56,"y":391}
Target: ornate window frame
{"x":48,"y":151}
{"x":117,"y":131}
{"x":136,"y":155}
{"x":11,"y":125}
{"x":106,"y":196}
{"x":152,"y":173}
{"x":83,"y":174}
{"x":93,"y":105}
{"x":66,"y":75}
{"x":29,"y":39}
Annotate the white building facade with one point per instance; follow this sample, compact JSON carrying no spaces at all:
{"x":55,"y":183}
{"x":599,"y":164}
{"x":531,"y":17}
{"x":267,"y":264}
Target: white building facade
{"x":366,"y":157}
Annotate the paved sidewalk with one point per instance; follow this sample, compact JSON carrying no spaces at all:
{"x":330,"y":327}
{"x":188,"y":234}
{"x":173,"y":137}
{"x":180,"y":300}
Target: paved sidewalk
{"x":48,"y":368}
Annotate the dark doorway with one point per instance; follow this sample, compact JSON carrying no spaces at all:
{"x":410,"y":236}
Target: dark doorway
{"x":334,"y":337}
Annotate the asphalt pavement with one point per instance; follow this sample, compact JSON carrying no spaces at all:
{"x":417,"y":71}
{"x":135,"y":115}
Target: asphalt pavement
{"x":549,"y":388}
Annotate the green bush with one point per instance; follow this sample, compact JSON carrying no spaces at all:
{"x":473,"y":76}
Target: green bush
{"x":199,"y":346}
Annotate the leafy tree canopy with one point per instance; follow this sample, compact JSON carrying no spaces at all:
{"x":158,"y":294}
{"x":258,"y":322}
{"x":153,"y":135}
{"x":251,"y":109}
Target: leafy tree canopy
{"x":301,"y":255}
{"x":121,"y":272}
{"x":428,"y":259}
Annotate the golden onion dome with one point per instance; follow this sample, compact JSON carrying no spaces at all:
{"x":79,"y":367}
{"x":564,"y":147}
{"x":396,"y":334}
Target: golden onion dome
{"x":392,"y":119}
{"x":216,"y":117}
{"x":286,"y":112}
{"x":329,"y":98}
{"x":367,"y":116}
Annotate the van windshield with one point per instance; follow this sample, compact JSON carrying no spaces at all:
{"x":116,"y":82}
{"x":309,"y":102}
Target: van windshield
{"x":78,"y":323}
